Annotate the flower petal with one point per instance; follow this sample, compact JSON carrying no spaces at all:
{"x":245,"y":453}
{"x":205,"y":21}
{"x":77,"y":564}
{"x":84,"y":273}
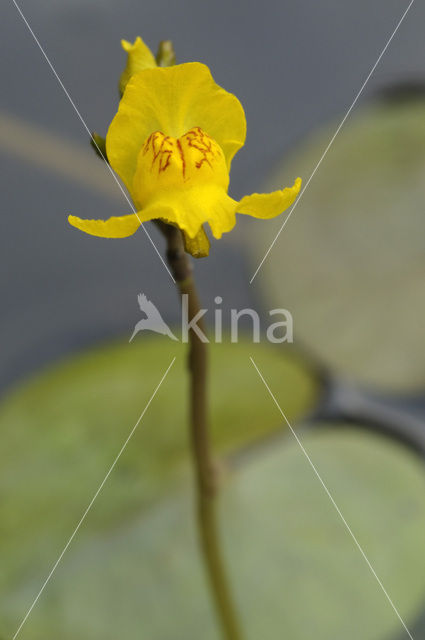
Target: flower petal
{"x":199,"y":246}
{"x":115,"y":227}
{"x":191,"y":208}
{"x":173,"y":100}
{"x":269,"y":205}
{"x":139,"y":57}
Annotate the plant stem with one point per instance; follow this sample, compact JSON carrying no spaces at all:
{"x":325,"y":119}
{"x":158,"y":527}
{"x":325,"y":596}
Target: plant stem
{"x":205,"y":472}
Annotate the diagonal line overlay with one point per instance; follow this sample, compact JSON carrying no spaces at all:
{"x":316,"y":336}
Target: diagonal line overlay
{"x":74,"y":533}
{"x":353,"y":104}
{"x":74,"y":106}
{"x":328,"y":493}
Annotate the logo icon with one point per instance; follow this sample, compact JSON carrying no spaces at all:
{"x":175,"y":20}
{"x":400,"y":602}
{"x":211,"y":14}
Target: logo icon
{"x":153,"y":320}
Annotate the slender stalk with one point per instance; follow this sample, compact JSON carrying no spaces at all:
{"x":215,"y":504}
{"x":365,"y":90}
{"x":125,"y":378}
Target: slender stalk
{"x":205,"y":473}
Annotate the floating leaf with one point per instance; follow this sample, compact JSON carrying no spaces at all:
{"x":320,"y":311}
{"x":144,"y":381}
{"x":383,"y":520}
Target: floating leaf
{"x":294,"y":569}
{"x":350,"y":263}
{"x":62,"y":430}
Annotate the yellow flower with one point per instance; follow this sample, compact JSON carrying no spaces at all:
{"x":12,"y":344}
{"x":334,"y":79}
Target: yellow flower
{"x":172,"y":143}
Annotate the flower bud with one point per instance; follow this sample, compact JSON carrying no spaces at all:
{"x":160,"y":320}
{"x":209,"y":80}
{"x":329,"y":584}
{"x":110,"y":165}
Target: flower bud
{"x":166,"y":56}
{"x":139,"y":57}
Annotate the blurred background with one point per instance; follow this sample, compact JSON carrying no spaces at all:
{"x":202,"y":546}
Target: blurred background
{"x":349,"y":266}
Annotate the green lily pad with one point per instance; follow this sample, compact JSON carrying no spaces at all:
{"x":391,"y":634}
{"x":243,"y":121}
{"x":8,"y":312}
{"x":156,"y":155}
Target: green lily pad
{"x":294,"y":569}
{"x":350,"y":263}
{"x":62,"y":430}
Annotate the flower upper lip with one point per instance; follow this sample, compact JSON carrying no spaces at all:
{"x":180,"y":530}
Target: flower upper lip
{"x":173,"y":100}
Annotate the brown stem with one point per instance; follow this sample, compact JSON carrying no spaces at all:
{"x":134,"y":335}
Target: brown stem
{"x":206,"y":477}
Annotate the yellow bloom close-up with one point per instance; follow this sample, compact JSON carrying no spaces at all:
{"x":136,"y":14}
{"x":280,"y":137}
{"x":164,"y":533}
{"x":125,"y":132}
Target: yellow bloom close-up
{"x":172,"y":143}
